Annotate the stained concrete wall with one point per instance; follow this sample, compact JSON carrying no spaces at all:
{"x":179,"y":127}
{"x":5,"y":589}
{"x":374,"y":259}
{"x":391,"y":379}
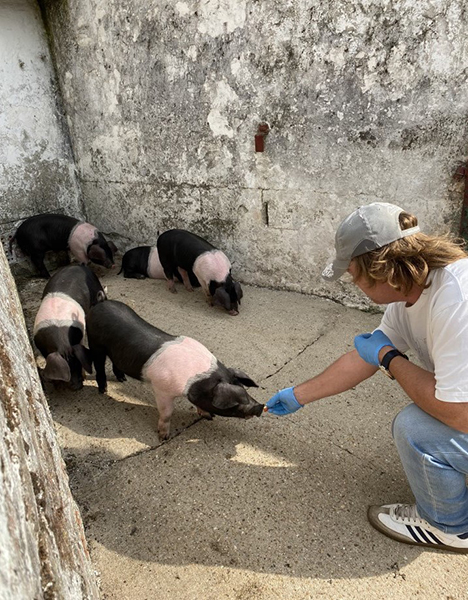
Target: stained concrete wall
{"x":37,"y":171}
{"x":43,"y":549}
{"x":366,"y":101}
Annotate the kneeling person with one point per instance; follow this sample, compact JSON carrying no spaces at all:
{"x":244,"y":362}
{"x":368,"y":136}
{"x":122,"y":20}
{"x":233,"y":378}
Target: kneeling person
{"x":424,"y":281}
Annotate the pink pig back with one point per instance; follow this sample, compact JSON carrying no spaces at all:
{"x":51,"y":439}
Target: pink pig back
{"x":59,"y":309}
{"x":80,"y":238}
{"x":155,"y":270}
{"x":213,"y":265}
{"x":176,"y":365}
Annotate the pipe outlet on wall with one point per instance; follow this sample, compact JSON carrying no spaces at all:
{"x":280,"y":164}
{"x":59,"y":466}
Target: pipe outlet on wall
{"x":262,"y":132}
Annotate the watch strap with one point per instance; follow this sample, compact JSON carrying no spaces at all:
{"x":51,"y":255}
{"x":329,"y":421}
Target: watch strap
{"x":389,"y":356}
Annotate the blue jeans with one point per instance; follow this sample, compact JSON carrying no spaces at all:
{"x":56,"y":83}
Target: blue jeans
{"x":435,"y":459}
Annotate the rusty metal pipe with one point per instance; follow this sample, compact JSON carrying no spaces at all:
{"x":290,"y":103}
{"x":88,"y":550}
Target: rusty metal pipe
{"x":262,"y":132}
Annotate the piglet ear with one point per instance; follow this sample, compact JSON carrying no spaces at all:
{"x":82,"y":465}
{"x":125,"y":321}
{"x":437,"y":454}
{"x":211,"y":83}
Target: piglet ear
{"x":101,"y":295}
{"x":225,"y":396}
{"x":56,"y":368}
{"x":242,"y":378}
{"x":221,"y":298}
{"x":96,"y":252}
{"x":113,"y":247}
{"x":84,"y":356}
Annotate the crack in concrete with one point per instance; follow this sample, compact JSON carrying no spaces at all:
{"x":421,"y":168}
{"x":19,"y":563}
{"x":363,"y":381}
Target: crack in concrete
{"x":320,"y":335}
{"x":294,"y":357}
{"x":342,"y":448}
{"x":335,"y":444}
{"x":103,"y":467}
{"x":163,"y":443}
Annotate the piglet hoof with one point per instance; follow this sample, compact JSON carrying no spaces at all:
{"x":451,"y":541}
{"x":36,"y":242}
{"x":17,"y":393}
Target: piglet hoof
{"x":170,"y":284}
{"x":103,"y":390}
{"x":76,"y":386}
{"x":121,"y":378}
{"x":163,"y":434}
{"x":205,"y":414}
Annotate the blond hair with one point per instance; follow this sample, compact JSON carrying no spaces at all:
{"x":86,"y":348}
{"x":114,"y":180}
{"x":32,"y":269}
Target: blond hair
{"x":409,"y":260}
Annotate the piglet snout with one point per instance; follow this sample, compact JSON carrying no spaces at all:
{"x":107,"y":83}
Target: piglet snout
{"x":258,"y":410}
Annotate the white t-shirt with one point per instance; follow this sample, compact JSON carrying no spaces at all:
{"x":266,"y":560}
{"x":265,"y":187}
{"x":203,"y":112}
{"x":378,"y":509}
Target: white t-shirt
{"x":436,"y":329}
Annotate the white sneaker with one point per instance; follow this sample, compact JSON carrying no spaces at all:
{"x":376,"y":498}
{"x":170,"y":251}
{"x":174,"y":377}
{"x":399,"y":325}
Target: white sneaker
{"x":402,"y":522}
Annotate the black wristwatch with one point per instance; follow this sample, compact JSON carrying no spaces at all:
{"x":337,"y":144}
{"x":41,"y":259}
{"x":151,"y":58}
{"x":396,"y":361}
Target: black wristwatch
{"x":388,"y":357}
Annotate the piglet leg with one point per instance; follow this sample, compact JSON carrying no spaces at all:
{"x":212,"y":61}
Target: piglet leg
{"x":185,"y":279}
{"x":38,"y":262}
{"x":99,"y":360}
{"x":171,"y":286}
{"x":165,"y":406}
{"x":170,"y":280}
{"x":206,"y":290}
{"x":120,"y":375}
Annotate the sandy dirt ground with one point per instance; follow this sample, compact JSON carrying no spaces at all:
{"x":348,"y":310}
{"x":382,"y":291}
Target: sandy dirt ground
{"x":264,"y":509}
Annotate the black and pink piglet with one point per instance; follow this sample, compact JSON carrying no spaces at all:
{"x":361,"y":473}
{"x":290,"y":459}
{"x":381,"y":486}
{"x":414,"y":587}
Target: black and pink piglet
{"x":60,"y":323}
{"x":41,"y":233}
{"x":191,"y":259}
{"x":142,"y":262}
{"x":174,"y":366}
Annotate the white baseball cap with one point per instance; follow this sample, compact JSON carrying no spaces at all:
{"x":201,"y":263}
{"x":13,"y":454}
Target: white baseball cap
{"x":367,"y":228}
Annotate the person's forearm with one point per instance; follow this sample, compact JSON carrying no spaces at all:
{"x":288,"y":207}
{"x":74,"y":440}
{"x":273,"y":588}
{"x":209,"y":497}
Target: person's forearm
{"x":348,"y":371}
{"x":420,"y":386}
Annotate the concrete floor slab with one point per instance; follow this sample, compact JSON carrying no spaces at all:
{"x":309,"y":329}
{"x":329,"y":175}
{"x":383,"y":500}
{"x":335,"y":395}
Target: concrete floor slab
{"x":256,"y":510}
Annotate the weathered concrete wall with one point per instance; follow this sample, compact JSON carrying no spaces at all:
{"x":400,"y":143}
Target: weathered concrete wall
{"x":43,"y":550}
{"x":37,"y":172}
{"x":366,"y":101}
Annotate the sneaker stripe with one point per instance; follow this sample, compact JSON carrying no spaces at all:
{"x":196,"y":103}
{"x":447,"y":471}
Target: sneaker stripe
{"x":434,"y":537}
{"x":423,"y":535}
{"x":403,"y":523}
{"x":412,"y":533}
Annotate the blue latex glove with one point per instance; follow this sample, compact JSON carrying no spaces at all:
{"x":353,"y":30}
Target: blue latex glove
{"x":369,"y":345}
{"x":283,"y":403}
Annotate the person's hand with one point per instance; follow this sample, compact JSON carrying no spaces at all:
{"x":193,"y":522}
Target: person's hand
{"x":283,"y":403}
{"x":369,"y":345}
